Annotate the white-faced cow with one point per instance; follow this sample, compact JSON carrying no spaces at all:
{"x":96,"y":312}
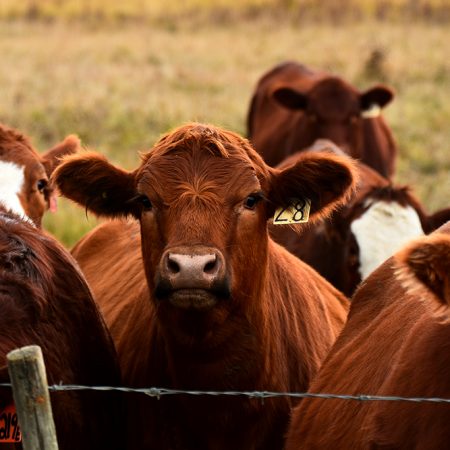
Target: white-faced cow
{"x":379,"y":218}
{"x":45,"y":300}
{"x":395,"y":343}
{"x":196,"y":295}
{"x":292,"y":106}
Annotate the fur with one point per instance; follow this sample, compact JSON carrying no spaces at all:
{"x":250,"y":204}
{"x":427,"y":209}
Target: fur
{"x":279,"y":320}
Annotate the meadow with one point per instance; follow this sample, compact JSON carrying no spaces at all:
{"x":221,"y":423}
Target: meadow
{"x":119,"y":82}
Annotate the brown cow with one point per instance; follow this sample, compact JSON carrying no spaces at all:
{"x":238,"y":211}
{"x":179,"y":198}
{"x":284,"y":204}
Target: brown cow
{"x":221,"y":306}
{"x":394,"y":344}
{"x":24,"y":180}
{"x":45,"y":300}
{"x":378,"y":219}
{"x":292,"y":106}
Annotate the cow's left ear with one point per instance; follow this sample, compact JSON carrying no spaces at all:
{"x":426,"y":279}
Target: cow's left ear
{"x":51,"y":158}
{"x":428,"y":260}
{"x":379,"y":95}
{"x":326,"y":180}
{"x":290,"y":98}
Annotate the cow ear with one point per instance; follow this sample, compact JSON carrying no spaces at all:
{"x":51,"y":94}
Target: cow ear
{"x":51,"y":158}
{"x":290,"y":98}
{"x":326,"y":180}
{"x":91,"y":181}
{"x":428,"y":261}
{"x":436,"y":220}
{"x":379,"y":95}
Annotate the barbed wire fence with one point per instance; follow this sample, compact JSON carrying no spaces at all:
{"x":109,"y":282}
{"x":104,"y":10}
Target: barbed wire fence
{"x":31,"y":396}
{"x":158,"y":392}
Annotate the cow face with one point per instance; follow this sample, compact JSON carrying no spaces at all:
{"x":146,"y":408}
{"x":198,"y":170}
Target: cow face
{"x":24,"y":183}
{"x":333,"y":110}
{"x":203,"y":197}
{"x":374,"y":224}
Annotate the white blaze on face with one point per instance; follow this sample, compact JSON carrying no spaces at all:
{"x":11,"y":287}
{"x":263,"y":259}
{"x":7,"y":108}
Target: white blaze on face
{"x":382,"y":230}
{"x":12,"y":179}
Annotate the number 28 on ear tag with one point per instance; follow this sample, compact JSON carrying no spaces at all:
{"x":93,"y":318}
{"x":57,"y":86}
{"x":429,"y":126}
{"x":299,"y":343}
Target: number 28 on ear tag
{"x":297,"y":211}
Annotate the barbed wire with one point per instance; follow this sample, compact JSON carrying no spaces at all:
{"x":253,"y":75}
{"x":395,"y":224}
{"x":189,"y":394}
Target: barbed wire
{"x":159,"y":392}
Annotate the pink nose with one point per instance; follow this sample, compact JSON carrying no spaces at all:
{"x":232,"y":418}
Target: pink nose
{"x":187,"y":268}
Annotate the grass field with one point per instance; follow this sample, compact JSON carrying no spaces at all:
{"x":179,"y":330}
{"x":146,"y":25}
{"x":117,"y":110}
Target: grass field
{"x":119,"y":85}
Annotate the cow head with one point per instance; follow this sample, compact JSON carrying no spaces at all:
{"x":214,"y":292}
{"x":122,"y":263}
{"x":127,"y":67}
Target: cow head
{"x":335,"y":110}
{"x":203,"y":197}
{"x":24,"y":183}
{"x":377,"y":221}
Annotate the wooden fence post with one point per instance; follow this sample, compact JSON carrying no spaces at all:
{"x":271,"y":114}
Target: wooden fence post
{"x":30,"y":391}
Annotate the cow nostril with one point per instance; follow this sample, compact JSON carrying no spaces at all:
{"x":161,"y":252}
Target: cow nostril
{"x":173,"y":266}
{"x":210,"y":266}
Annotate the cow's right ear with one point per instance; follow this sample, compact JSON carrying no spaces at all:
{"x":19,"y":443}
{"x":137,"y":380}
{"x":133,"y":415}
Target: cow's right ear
{"x":91,"y":181}
{"x":290,"y":98}
{"x":428,"y":261}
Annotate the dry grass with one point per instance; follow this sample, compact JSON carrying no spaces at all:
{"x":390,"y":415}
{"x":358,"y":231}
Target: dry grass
{"x":151,"y":10}
{"x":120,"y":86}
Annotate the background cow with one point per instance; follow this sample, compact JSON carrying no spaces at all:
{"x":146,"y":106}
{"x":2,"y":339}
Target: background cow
{"x":24,"y":182}
{"x":377,"y":220}
{"x":44,"y":300}
{"x":395,"y":343}
{"x":221,"y":306}
{"x":292,"y":106}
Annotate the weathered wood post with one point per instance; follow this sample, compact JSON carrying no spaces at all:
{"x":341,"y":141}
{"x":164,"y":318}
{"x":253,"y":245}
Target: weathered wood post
{"x":30,"y":391}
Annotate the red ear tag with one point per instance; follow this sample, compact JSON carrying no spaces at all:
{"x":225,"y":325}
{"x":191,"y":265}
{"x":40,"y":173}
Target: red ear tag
{"x":9,"y":425}
{"x":53,"y":204}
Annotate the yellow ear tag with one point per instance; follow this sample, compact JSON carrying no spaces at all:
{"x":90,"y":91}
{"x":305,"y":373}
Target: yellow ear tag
{"x":297,"y":211}
{"x":373,"y":111}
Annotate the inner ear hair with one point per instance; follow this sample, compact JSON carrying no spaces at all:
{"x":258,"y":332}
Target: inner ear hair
{"x":428,"y":260}
{"x":327,"y":180}
{"x":91,"y":181}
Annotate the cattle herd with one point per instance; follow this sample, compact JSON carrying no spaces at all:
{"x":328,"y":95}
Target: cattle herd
{"x":192,"y":283}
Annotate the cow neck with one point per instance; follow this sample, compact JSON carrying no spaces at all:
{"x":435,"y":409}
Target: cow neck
{"x":225,"y":360}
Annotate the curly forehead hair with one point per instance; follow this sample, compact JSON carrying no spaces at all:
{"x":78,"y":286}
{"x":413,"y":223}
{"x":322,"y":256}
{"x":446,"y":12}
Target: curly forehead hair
{"x":201,"y":138}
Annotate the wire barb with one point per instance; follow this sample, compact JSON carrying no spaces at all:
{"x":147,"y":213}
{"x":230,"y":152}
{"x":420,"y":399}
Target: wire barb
{"x":261,"y":395}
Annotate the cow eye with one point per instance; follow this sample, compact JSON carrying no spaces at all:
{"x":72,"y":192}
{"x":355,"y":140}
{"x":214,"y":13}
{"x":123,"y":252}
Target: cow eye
{"x":42,"y":184}
{"x":251,"y":201}
{"x":145,"y":202}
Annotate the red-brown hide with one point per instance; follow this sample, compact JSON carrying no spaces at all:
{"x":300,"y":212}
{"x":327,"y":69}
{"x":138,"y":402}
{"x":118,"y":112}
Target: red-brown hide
{"x":257,"y":318}
{"x":292,"y":106}
{"x":330,"y":246}
{"x":395,"y":343}
{"x":36,"y":193}
{"x":45,"y":301}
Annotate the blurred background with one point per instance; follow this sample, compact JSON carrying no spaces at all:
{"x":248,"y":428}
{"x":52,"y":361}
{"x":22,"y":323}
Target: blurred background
{"x":119,"y":74}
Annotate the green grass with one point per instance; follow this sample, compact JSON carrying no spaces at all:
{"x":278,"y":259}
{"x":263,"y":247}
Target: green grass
{"x":120,"y":86}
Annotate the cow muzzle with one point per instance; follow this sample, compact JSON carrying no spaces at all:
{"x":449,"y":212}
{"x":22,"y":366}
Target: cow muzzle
{"x":192,"y":278}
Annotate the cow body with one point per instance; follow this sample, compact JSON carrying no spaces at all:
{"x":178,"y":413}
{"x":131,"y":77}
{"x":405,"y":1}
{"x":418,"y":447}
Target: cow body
{"x":199,"y":297}
{"x":45,"y":301}
{"x":292,"y":106}
{"x":379,"y":219}
{"x":394,"y":344}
